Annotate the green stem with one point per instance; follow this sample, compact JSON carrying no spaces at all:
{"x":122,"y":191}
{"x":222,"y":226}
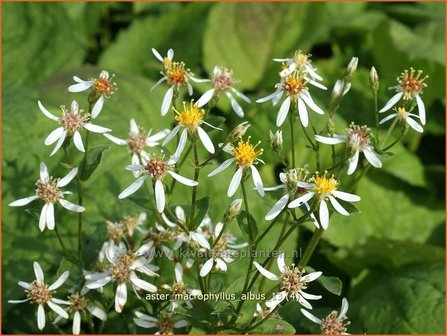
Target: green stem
{"x":247,"y":211}
{"x":311,"y":247}
{"x":61,"y":242}
{"x":254,"y":326}
{"x":292,"y":136}
{"x":267,"y":230}
{"x":376,"y":112}
{"x":196,"y":178}
{"x":199,"y":278}
{"x":390,"y":130}
{"x":178,"y":166}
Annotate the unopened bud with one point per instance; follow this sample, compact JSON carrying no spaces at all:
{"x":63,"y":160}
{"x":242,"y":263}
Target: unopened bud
{"x":330,"y":126}
{"x":374,"y":79}
{"x":352,"y":66}
{"x":239,"y":131}
{"x":337,"y":90}
{"x":275,"y":140}
{"x":233,"y":210}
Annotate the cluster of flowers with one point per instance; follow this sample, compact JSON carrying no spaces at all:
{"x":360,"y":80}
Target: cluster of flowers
{"x":122,"y":263}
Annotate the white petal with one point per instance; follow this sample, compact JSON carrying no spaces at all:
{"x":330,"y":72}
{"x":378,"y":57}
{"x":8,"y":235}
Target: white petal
{"x":311,"y":71}
{"x":257,"y":180}
{"x":221,"y":264}
{"x":391,"y":116}
{"x":23,"y":201}
{"x":40,"y":317}
{"x":159,"y":196}
{"x":60,"y":281}
{"x":181,"y":145}
{"x":38,"y":272}
{"x":157,"y":55}
{"x":171,"y":134}
{"x":310,"y":316}
{"x":277,"y":97}
{"x":98,"y":312}
{"x":99,"y":282}
{"x":167,"y":101}
{"x":353,"y":161}
{"x":414,"y":125}
{"x":120,"y":297}
{"x":316,"y":84}
{"x":300,"y":200}
{"x":57,"y":309}
{"x":421,"y":108}
{"x":277,"y":208}
{"x":78,"y":141}
{"x":222,"y":167}
{"x":71,"y":206}
{"x":218,"y":229}
{"x":206,"y":140}
{"x":390,"y":103}
{"x":206,"y":268}
{"x":43,"y":217}
{"x":304,"y":302}
{"x":205,"y":98}
{"x":189,"y":86}
{"x":153,"y":139}
{"x":241,"y":95}
{"x":344,"y":309}
{"x":67,"y":178}
{"x":18,"y":301}
{"x":308,"y":296}
{"x":80,"y":86}
{"x":308,"y":100}
{"x":59,"y":301}
{"x":235,"y":182}
{"x":183,"y":180}
{"x":170,"y":53}
{"x":180,"y":324}
{"x":54,"y":136}
{"x":97,"y":107}
{"x":283,"y":111}
{"x":281,"y":263}
{"x":311,"y":276}
{"x":276,"y":300}
{"x":76,"y":323}
{"x":143,"y":284}
{"x":372,"y":157}
{"x":336,"y":139}
{"x":133,"y":187}
{"x":59,"y":143}
{"x":178,"y":272}
{"x":47,"y":113}
{"x":235,"y":105}
{"x":281,"y":186}
{"x":144,"y":324}
{"x":200,"y":238}
{"x":346,"y":196}
{"x":269,"y":275}
{"x":133,"y":126}
{"x":324,"y":215}
{"x":24,"y":284}
{"x":96,"y":129}
{"x":161,"y":80}
{"x":44,"y":176}
{"x":266,"y":98}
{"x":302,"y":111}
{"x":135,"y":167}
{"x":337,"y":206}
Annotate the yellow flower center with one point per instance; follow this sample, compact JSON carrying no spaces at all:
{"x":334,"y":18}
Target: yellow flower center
{"x":176,"y":75}
{"x":300,"y":59}
{"x":324,"y":186}
{"x":245,"y":153}
{"x":190,"y":117}
{"x":402,"y":113}
{"x":293,"y":84}
{"x":411,"y":83}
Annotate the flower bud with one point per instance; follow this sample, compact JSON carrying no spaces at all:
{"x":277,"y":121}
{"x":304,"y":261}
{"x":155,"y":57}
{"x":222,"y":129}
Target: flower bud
{"x":233,"y":210}
{"x":352,"y":66}
{"x":239,"y":131}
{"x":374,"y":79}
{"x":275,"y":140}
{"x":337,"y":90}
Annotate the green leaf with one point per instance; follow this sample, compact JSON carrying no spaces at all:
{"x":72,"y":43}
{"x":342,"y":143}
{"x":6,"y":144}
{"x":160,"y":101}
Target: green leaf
{"x":408,"y":300}
{"x":274,"y":326}
{"x":203,"y":205}
{"x":92,"y":161}
{"x":331,"y":283}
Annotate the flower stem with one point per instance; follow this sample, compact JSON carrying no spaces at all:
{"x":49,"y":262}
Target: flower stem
{"x":194,"y":189}
{"x":292,"y":137}
{"x":61,"y":242}
{"x":376,"y":112}
{"x":390,"y":130}
{"x":311,"y":247}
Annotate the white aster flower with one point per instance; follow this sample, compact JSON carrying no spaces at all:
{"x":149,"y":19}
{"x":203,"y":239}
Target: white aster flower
{"x":410,"y":87}
{"x":103,"y":87}
{"x":246,"y":156}
{"x":179,"y":290}
{"x":40,"y":293}
{"x":159,"y":240}
{"x":334,"y":323}
{"x":294,"y":85}
{"x":122,"y":270}
{"x":223,"y":82}
{"x":165,"y":324}
{"x":192,"y":237}
{"x":321,"y":189}
{"x":406,"y":117}
{"x":262,"y":313}
{"x":358,"y":139}
{"x":71,"y":123}
{"x":176,"y":75}
{"x":132,"y":223}
{"x":190,"y":119}
{"x":78,"y":305}
{"x":137,"y":140}
{"x":292,"y":282}
{"x":48,"y":190}
{"x":156,"y":168}
{"x":223,"y":251}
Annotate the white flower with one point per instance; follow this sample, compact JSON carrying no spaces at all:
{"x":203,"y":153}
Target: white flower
{"x":71,"y":123}
{"x":292,"y":281}
{"x":48,"y":190}
{"x":122,"y":270}
{"x":156,"y":168}
{"x":40,"y":293}
{"x":246,"y":156}
{"x":321,"y":189}
{"x":223,"y":83}
{"x":332,"y":324}
{"x":290,"y":182}
{"x":132,"y":223}
{"x":103,"y":87}
{"x":406,"y":117}
{"x":222,"y":252}
{"x":164,"y":323}
{"x":78,"y":305}
{"x":183,"y":237}
{"x":179,"y":289}
{"x":410,"y":87}
{"x":176,"y":75}
{"x":190,"y":119}
{"x":138,"y":140}
{"x":358,"y":140}
{"x":294,"y":86}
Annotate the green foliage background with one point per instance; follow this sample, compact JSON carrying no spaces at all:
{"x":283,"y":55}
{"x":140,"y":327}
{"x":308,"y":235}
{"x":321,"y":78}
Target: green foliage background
{"x":389,"y":257}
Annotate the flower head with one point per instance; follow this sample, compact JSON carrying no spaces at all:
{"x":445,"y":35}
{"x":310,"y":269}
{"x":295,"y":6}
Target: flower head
{"x":48,"y":190}
{"x":38,"y":292}
{"x":165,"y":323}
{"x":405,"y":117}
{"x":334,"y":323}
{"x":302,"y":63}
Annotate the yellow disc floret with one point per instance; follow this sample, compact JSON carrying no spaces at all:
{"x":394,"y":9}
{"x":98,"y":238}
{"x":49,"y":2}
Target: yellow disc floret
{"x":324,"y":185}
{"x":293,"y":84}
{"x":190,"y":117}
{"x":246,"y":153}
